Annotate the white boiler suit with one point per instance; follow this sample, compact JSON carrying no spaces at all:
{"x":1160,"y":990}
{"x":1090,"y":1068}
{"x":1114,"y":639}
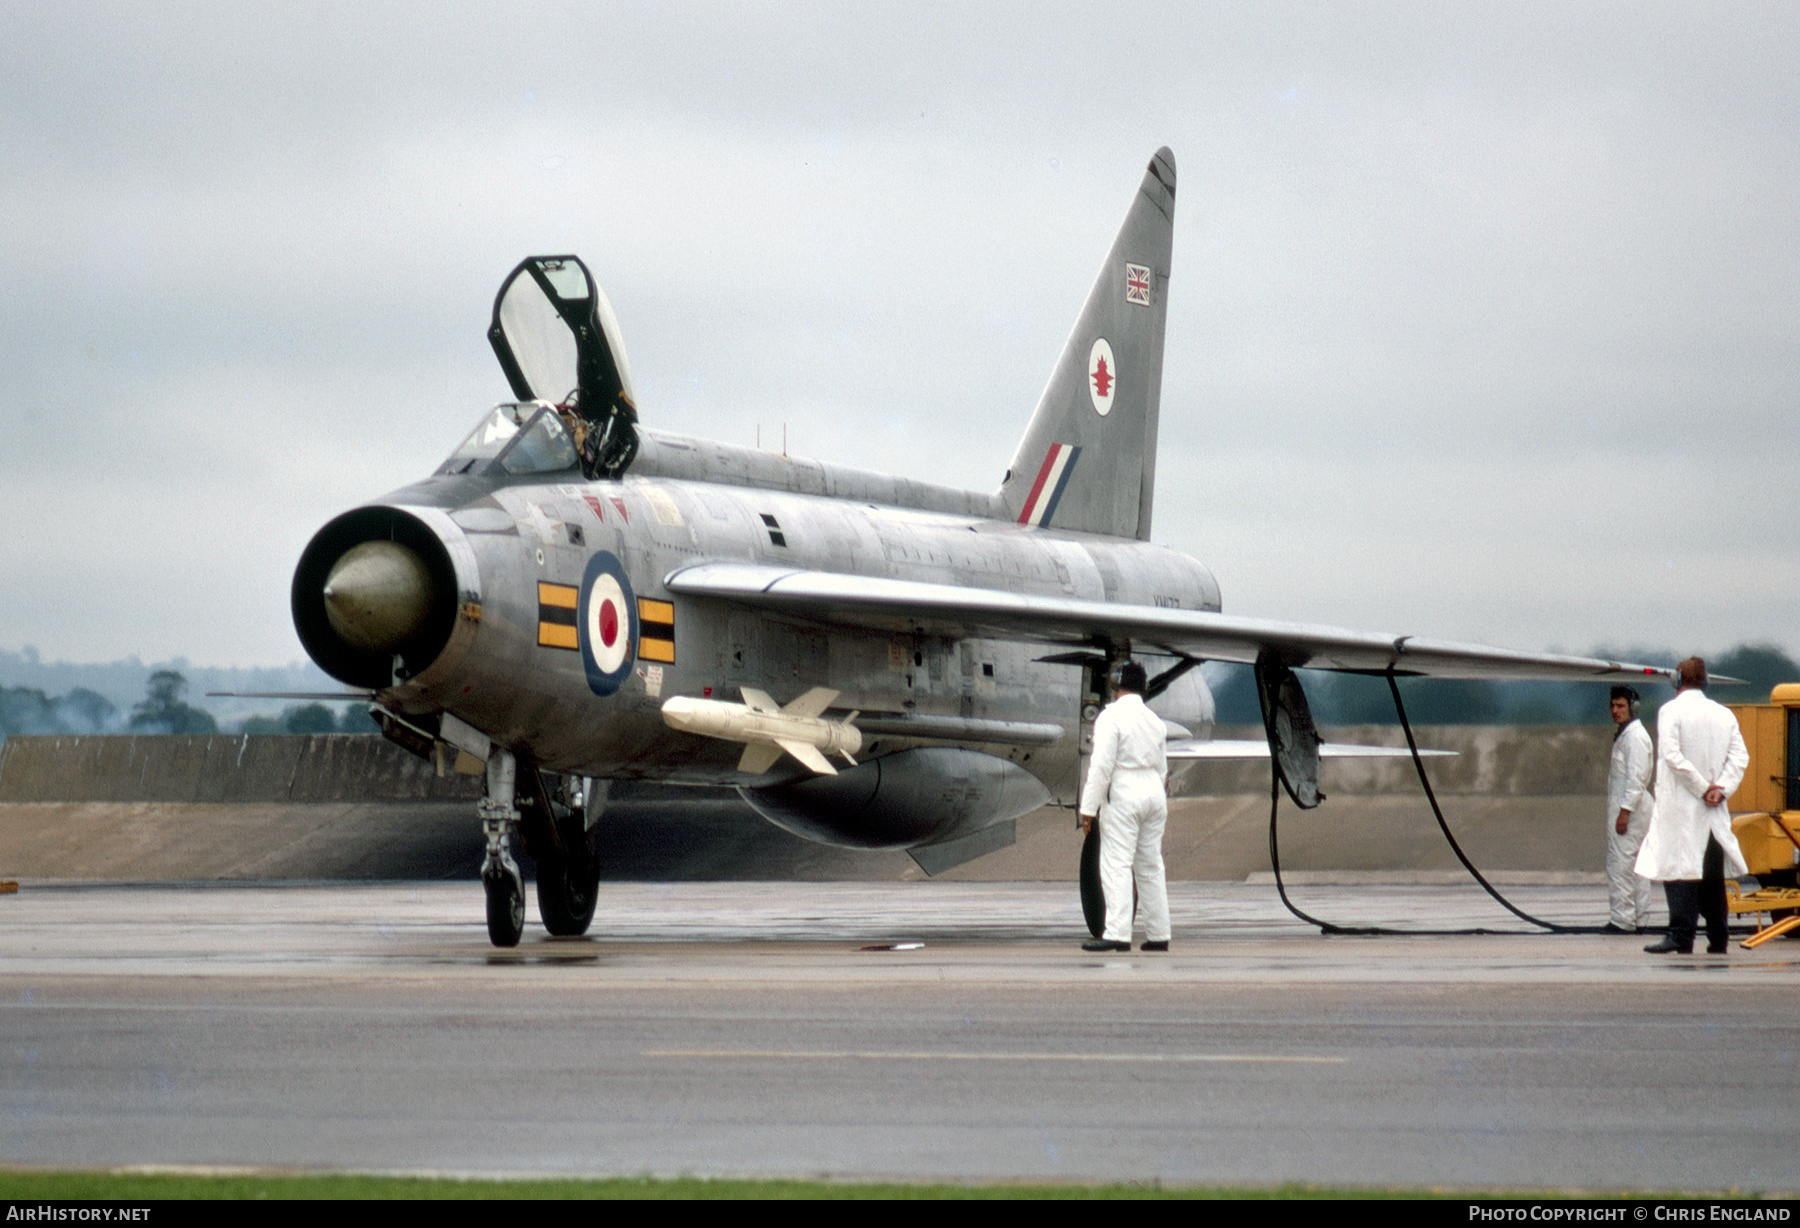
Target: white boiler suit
{"x":1628,"y":788}
{"x":1125,"y":787}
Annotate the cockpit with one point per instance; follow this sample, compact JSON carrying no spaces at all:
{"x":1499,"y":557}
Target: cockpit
{"x":555,"y":336}
{"x":557,"y":341}
{"x":516,"y":438}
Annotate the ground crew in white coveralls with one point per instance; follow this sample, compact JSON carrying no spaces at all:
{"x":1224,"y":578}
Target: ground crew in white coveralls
{"x":1126,"y":790}
{"x":1700,"y":760}
{"x":1628,"y":806}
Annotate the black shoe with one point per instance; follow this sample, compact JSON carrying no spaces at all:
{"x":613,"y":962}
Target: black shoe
{"x":1155,"y":946}
{"x":1717,"y":948}
{"x":1669,"y":946}
{"x":1610,"y":928}
{"x":1105,"y":944}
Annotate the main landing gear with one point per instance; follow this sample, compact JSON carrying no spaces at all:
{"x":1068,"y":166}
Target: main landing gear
{"x":1093,"y":900}
{"x":558,"y":834}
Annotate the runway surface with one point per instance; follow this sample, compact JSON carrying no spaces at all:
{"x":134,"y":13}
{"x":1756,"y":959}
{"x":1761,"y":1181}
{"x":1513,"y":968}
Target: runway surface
{"x":747,"y":1029}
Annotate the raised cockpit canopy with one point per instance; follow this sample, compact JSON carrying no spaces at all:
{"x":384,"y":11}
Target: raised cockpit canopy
{"x":558,"y":342}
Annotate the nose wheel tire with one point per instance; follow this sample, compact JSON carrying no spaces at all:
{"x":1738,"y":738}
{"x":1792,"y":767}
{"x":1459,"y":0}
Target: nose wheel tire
{"x":505,"y":910}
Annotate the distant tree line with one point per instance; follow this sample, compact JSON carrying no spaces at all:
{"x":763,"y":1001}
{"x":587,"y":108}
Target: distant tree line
{"x":162,"y":709}
{"x":313,"y":718}
{"x":1335,"y":699}
{"x":1352,"y":699}
{"x":24,"y":710}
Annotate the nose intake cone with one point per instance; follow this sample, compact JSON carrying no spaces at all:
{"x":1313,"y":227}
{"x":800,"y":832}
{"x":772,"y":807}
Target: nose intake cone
{"x":378,"y":596}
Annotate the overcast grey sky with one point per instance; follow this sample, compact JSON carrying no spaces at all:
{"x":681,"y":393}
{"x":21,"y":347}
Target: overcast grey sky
{"x":1484,"y":319}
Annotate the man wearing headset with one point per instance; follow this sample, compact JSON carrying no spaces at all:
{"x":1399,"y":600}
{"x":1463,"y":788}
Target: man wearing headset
{"x":1628,"y":806}
{"x":1126,"y":789}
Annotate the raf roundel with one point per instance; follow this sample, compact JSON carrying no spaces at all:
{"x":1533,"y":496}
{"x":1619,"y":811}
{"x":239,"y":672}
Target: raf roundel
{"x":608,"y":624}
{"x":1103,"y":376}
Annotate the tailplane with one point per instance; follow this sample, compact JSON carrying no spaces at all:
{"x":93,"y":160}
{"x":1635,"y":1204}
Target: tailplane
{"x":1088,"y":459}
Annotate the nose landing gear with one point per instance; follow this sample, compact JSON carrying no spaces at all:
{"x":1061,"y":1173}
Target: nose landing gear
{"x":559,"y":834}
{"x":500,"y":876}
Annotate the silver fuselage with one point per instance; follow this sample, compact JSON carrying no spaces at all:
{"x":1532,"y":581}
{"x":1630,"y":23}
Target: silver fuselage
{"x":687,"y":501}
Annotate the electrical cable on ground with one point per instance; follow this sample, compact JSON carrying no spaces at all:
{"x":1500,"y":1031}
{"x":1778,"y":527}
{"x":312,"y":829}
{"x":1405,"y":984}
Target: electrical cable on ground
{"x":1328,"y":927}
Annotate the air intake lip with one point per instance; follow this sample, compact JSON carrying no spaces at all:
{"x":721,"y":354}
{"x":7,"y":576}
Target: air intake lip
{"x":417,"y":637}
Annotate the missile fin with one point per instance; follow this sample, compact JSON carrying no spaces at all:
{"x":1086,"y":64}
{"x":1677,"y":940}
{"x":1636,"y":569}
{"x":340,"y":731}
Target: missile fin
{"x":809,"y":755}
{"x":851,"y":722}
{"x":758,"y":701}
{"x":812,"y":703}
{"x":758,"y":758}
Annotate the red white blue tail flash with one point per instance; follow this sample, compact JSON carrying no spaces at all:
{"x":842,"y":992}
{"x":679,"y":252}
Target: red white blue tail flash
{"x":1052,"y":480}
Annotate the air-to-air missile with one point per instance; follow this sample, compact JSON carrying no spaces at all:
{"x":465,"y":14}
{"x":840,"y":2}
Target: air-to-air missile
{"x":767,"y":730}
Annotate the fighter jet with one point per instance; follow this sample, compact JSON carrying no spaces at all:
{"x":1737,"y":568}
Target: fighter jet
{"x":572,"y":599}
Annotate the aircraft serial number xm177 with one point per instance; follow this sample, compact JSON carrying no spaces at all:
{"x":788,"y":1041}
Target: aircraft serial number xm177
{"x":871,"y":661}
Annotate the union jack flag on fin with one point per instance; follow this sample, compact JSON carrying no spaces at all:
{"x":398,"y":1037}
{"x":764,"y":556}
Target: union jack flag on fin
{"x":1137,"y":284}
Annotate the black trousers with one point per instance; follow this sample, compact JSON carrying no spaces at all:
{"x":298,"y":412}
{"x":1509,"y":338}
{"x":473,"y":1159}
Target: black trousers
{"x":1689,"y":898}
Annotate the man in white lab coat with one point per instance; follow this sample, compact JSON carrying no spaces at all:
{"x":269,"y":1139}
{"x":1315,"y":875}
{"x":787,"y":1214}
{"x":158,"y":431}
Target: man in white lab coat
{"x":1700,"y":759}
{"x":1628,"y":806}
{"x":1125,"y":790}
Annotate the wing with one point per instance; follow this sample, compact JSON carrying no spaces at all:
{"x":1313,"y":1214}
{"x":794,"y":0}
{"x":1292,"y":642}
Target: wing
{"x":907,"y":605}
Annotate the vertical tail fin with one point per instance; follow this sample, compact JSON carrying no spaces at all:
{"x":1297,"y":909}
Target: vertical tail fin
{"x":1088,"y":459}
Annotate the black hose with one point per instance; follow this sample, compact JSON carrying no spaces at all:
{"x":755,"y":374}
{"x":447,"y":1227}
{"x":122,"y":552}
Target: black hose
{"x":1437,"y":811}
{"x":1327,"y":927}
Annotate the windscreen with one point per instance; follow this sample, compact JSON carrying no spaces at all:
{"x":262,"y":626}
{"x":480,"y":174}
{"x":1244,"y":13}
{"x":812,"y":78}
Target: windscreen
{"x":526,"y":438}
{"x":487,"y":440}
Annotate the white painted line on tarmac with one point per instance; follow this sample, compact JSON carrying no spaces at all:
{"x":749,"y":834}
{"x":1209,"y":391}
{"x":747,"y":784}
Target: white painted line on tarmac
{"x":878,"y":1055}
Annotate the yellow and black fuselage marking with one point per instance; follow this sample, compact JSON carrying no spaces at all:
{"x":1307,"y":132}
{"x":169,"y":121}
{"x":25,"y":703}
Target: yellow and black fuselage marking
{"x":556,"y":616}
{"x":656,"y":631}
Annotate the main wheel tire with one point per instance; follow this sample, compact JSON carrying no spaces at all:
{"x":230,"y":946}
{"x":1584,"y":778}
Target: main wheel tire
{"x":505,"y":910}
{"x":568,"y":883}
{"x":1093,"y":899}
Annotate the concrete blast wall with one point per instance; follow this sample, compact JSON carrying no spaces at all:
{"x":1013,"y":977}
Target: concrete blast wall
{"x":1490,"y":760}
{"x":326,"y":767}
{"x":344,"y":806}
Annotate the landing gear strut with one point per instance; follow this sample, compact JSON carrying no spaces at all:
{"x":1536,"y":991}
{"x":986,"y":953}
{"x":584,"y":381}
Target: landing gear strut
{"x":500,"y":876}
{"x":558,"y":832}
